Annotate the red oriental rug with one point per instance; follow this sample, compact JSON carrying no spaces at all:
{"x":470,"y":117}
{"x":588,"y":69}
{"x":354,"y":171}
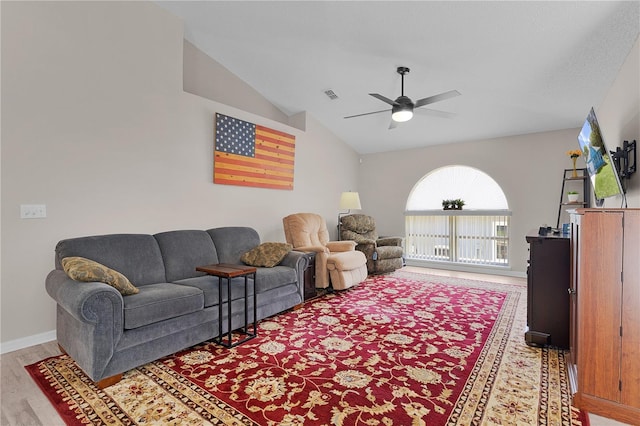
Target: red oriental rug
{"x":402,"y":349}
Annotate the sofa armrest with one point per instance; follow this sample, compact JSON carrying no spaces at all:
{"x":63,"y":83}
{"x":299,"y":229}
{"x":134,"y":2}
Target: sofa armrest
{"x":295,"y":259}
{"x":90,"y":320}
{"x":299,"y":261}
{"x":83,"y":300}
{"x":337,"y":246}
{"x":389,"y":241}
{"x":314,"y":249}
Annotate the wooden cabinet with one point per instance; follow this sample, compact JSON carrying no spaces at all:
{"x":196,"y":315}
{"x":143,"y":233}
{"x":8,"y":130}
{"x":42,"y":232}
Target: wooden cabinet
{"x":605,"y":325}
{"x":547,"y":295}
{"x":630,"y":352}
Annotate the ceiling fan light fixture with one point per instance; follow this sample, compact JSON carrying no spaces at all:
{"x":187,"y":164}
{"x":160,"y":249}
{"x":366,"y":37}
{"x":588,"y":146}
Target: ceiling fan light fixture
{"x":402,"y":113}
{"x":402,"y":107}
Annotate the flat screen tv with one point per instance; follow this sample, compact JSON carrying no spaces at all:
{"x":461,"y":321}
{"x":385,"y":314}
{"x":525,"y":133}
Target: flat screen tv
{"x":602,"y":172}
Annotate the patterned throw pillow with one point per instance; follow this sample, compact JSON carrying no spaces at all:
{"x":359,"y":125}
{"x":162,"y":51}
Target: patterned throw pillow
{"x":267,"y":254}
{"x":81,"y":269}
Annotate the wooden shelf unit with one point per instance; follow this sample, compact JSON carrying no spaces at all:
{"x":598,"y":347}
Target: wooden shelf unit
{"x":570,"y":183}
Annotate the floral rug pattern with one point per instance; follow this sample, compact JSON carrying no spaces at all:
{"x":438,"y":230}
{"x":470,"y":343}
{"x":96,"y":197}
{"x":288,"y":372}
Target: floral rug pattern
{"x":401,"y":349}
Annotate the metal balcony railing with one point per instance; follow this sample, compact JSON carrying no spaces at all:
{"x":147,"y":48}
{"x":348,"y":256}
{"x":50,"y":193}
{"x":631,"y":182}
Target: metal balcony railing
{"x":471,"y":237}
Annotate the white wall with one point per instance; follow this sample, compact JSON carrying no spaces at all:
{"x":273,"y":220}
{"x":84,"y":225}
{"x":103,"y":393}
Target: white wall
{"x":95,"y":125}
{"x":205,"y":77}
{"x":619,"y":118}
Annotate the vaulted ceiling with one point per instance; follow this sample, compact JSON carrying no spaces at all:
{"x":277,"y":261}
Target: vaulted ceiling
{"x":521,"y":67}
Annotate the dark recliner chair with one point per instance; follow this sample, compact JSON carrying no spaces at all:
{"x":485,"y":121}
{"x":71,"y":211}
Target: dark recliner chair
{"x":384,"y":254}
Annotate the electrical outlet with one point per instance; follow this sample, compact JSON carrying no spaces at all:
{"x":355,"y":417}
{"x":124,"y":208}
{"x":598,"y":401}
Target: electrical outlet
{"x":33,"y":211}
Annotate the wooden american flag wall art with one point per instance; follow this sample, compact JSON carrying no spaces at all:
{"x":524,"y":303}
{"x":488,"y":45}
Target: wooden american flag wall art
{"x":247,"y":154}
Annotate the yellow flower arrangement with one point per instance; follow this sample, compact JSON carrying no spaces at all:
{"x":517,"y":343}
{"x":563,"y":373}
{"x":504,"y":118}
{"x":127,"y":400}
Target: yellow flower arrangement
{"x":574,"y":153}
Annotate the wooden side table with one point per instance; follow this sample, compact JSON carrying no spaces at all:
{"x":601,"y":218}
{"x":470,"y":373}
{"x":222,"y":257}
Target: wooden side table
{"x":310,"y":277}
{"x":229,"y":271}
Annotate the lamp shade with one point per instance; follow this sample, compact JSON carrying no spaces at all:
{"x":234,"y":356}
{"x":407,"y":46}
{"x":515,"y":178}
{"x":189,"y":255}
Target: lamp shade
{"x":350,"y":201}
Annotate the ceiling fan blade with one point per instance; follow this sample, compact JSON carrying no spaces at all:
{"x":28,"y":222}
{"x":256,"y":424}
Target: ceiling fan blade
{"x":383,"y":99}
{"x":437,"y":98}
{"x":368,"y":113}
{"x":393,"y":124}
{"x":434,"y":113}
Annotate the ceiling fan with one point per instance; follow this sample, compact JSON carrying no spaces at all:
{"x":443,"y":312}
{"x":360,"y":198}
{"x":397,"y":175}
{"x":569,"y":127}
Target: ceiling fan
{"x":402,"y":108}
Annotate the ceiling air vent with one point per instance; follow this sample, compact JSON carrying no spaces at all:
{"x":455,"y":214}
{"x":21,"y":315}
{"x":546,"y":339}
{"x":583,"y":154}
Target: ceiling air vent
{"x":331,"y":94}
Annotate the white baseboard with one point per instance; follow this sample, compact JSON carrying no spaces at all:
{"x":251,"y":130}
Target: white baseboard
{"x":478,"y":269}
{"x":25,"y":342}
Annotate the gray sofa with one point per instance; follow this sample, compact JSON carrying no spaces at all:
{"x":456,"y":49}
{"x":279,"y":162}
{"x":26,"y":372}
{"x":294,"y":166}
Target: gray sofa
{"x":107,"y":333}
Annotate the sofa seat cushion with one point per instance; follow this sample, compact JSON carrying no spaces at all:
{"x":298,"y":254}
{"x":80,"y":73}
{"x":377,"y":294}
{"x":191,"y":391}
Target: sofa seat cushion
{"x":161,"y":301}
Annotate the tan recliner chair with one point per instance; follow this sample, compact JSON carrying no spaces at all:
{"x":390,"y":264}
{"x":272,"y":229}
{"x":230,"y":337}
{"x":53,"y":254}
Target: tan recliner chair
{"x":337,"y":261}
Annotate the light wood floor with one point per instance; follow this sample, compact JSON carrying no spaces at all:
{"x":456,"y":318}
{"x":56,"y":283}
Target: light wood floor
{"x":22,"y":401}
{"x":23,"y":404}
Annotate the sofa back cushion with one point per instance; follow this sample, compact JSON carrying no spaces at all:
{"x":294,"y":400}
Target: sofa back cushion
{"x":233,"y":241}
{"x":183,"y":251}
{"x":136,"y":256}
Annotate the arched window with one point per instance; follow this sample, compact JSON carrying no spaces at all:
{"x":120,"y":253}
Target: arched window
{"x":477,"y":234}
{"x":476,"y":188}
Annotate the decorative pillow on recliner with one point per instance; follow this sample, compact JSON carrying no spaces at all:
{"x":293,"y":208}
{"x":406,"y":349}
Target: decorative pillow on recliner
{"x":267,"y":254}
{"x":81,"y":269}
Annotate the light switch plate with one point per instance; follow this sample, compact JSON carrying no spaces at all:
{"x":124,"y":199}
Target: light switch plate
{"x":33,"y":211}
